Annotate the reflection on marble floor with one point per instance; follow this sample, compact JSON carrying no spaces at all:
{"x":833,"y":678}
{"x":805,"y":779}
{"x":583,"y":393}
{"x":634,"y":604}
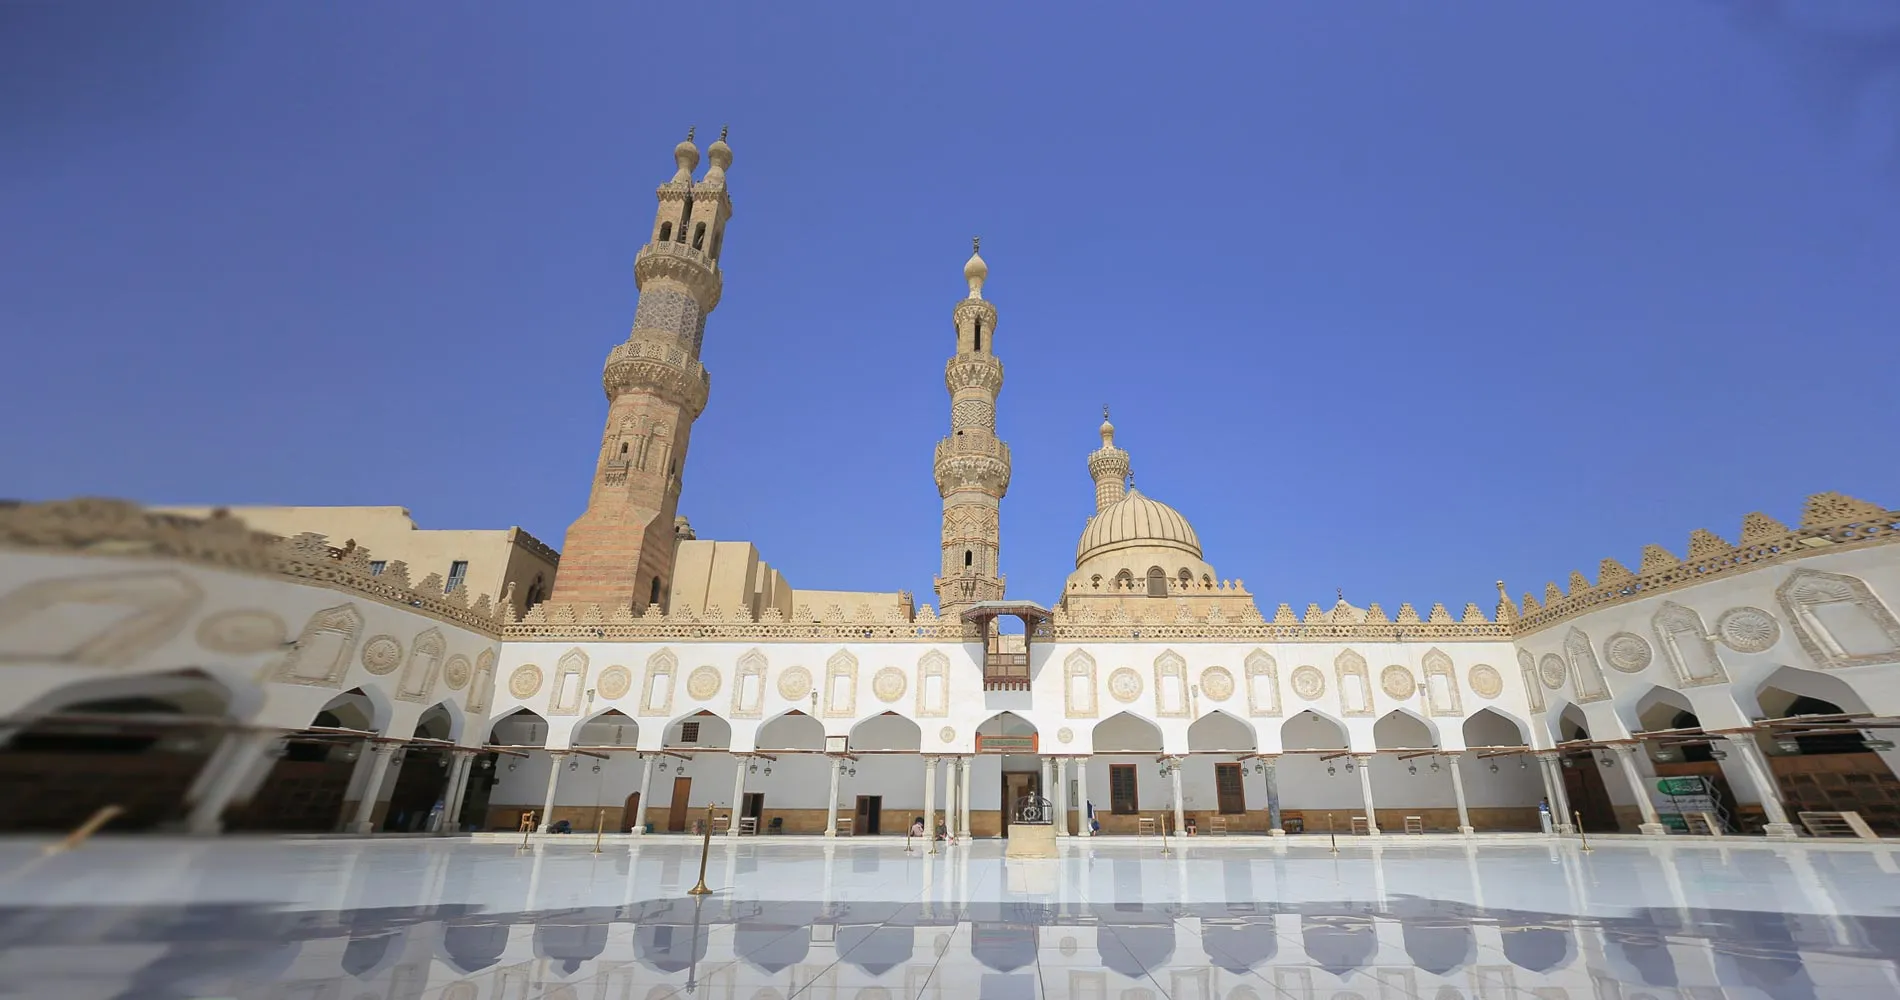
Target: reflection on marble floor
{"x":407,"y":920}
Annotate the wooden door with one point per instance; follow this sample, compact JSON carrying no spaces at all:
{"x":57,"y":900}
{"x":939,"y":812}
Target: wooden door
{"x":1583,"y":785}
{"x":1123,"y":799}
{"x":676,"y":815}
{"x":1229,"y":789}
{"x":868,"y":811}
{"x":754,"y":805}
{"x":629,"y":810}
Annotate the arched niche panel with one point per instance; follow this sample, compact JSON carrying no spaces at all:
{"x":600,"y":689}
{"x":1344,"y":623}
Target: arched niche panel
{"x":1261,"y":674}
{"x":1585,"y":672}
{"x":1686,"y":645}
{"x":841,"y":685}
{"x":1533,"y":687}
{"x":748,"y":686}
{"x":481,"y":686}
{"x":424,"y":665}
{"x":1442,"y":697}
{"x":324,"y":649}
{"x":570,"y":683}
{"x":657,"y":683}
{"x":1839,"y":620}
{"x":1355,"y":685}
{"x":933,"y":685}
{"x":1171,"y":696}
{"x":1079,"y":689}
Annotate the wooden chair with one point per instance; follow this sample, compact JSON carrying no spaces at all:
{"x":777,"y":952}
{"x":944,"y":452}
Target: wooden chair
{"x":1702,"y":824}
{"x":1217,"y":826}
{"x":748,"y":826}
{"x":1144,"y":826}
{"x":1360,"y":827}
{"x":721,"y":822}
{"x":1837,"y":824}
{"x":1414,"y":824}
{"x":845,"y":824}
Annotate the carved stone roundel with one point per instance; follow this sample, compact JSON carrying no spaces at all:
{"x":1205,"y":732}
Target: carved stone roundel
{"x":1397,"y":682}
{"x":1748,"y":630}
{"x":794,"y":684}
{"x":525,"y":681}
{"x":946,"y":734}
{"x":1486,"y":682}
{"x":703,"y":683}
{"x":456,"y":672}
{"x":241,"y":632}
{"x":1309,"y":683}
{"x":889,"y":684}
{"x":1065,"y":735}
{"x":1217,"y":684}
{"x":1124,"y":684}
{"x":614,"y":682}
{"x":1627,"y":652}
{"x":382,"y":654}
{"x":1552,"y":669}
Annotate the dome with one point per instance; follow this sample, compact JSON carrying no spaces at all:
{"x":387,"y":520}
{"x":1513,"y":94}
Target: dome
{"x":1136,"y":521}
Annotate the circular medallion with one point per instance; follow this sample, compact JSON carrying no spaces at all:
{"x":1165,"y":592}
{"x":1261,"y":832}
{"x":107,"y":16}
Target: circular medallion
{"x":1748,"y":630}
{"x":703,"y":683}
{"x":794,"y":684}
{"x":1217,"y":684}
{"x":1552,"y":669}
{"x":1124,"y":685}
{"x":946,"y":734}
{"x":1067,"y":945}
{"x":614,"y":682}
{"x":1065,"y":734}
{"x":1627,"y":652}
{"x":456,"y":672}
{"x":1486,"y":681}
{"x":1397,"y":682}
{"x":1309,"y":683}
{"x":241,"y":632}
{"x":889,"y":684}
{"x":382,"y":654}
{"x":525,"y":681}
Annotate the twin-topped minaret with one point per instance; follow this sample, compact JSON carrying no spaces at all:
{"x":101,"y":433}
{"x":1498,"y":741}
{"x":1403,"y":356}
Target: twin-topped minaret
{"x":972,"y":466}
{"x":620,"y":552}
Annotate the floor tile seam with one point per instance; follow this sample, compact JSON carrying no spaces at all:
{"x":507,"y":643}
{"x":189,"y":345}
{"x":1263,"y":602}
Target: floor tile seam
{"x":915,"y":898}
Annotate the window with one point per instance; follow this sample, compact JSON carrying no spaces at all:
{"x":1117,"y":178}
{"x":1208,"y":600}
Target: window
{"x":1122,"y":800}
{"x":699,"y":236}
{"x":967,"y":557}
{"x":1157,"y":582}
{"x":689,"y":732}
{"x":458,"y":572}
{"x":979,"y":333}
{"x":376,"y":567}
{"x":666,"y":231}
{"x":654,"y":596}
{"x":1229,"y":790}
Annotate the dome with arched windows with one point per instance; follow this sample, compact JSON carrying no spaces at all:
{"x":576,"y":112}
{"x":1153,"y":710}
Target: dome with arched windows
{"x":1136,"y":521}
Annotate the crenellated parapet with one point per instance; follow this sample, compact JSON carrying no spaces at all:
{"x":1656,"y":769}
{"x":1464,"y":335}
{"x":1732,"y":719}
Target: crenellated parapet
{"x":659,"y":367}
{"x":1830,"y":522}
{"x":122,"y":529}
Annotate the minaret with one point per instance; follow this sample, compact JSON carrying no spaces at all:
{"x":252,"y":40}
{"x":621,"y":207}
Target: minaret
{"x":1108,"y":466}
{"x":972,"y":466}
{"x":620,"y":552}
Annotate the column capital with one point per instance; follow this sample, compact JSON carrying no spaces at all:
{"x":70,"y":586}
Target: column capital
{"x":464,"y":752}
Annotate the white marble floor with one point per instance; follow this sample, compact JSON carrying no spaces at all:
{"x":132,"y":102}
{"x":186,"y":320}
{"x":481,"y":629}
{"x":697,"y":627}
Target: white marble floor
{"x":862,"y":919}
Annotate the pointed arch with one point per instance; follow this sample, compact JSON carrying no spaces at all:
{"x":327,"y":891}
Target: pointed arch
{"x":840,"y":694}
{"x":523,"y":727}
{"x":1659,"y":708}
{"x":790,"y":730}
{"x":657,"y":683}
{"x":1781,"y":689}
{"x":933,"y":685}
{"x":607,"y":727}
{"x":1221,"y":731}
{"x":1126,"y":732}
{"x":889,"y":731}
{"x":1007,"y":729}
{"x":1403,"y":729}
{"x":1839,"y":620}
{"x":1488,"y":727}
{"x":323,"y":650}
{"x":1570,"y":723}
{"x":481,"y":686}
{"x":440,"y":721}
{"x":700,"y":730}
{"x":1312,"y":729}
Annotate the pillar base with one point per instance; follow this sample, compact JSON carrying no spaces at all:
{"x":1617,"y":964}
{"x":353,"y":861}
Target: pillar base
{"x":1566,"y":829}
{"x":1373,"y":831}
{"x":637,"y":831}
{"x":1276,"y":832}
{"x":1782,"y":831}
{"x":831,"y":835}
{"x":1653,"y":830}
{"x":1467,"y":831}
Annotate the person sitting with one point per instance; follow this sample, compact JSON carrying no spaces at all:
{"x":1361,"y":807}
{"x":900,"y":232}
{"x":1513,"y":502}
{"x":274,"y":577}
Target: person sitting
{"x":917,"y":828}
{"x":942,"y":833}
{"x":562,"y":826}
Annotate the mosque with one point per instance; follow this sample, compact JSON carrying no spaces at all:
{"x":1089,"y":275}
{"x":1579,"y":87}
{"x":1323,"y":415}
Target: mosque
{"x":277,"y":669}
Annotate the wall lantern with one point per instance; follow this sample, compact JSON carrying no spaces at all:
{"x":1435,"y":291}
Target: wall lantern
{"x":1330,"y":769}
{"x":1413,"y":768}
{"x":1494,"y":767}
{"x":1435,"y":767}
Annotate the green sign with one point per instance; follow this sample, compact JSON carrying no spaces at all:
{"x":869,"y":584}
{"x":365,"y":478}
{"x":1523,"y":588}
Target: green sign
{"x":1679,"y":786}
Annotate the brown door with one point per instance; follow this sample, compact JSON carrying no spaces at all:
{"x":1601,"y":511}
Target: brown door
{"x":676,"y":815}
{"x":754,"y":805}
{"x":629,"y":811}
{"x":1229,"y":789}
{"x":870,"y":807}
{"x":1583,"y":784}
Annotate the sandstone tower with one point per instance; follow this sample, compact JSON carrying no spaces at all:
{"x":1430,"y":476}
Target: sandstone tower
{"x":619,"y":553}
{"x":972,"y":466}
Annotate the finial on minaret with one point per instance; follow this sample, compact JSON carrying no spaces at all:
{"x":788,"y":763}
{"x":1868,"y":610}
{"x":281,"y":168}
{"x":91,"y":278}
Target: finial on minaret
{"x":721,"y":156}
{"x":974,"y":271}
{"x":722,"y":133}
{"x":1341,"y":593}
{"x":689,"y":132}
{"x":686,"y":155}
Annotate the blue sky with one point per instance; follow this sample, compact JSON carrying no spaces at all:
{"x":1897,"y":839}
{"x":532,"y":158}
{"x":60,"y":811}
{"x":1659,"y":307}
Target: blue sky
{"x":1394,"y":298}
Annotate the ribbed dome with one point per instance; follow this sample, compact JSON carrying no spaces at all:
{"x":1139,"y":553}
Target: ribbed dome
{"x":1135,"y":521}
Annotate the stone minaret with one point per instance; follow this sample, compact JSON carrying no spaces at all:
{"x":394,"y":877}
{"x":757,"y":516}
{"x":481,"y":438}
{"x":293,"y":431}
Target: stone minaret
{"x":620,"y":552}
{"x":1108,"y":466}
{"x":972,"y":466}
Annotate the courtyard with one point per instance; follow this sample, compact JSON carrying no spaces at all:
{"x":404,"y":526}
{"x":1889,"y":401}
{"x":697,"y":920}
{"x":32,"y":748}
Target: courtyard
{"x":441,"y":919}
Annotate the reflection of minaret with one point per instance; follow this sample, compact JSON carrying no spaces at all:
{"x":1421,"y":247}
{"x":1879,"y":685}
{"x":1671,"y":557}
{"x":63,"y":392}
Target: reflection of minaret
{"x":972,"y":466}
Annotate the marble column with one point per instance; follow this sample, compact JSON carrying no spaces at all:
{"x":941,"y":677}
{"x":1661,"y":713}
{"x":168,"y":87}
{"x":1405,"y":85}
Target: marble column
{"x":372,"y":787}
{"x":831,"y":804}
{"x":1273,"y":798}
{"x":1458,"y":790}
{"x":1652,"y":825}
{"x":1082,"y":787}
{"x":1043,"y":789}
{"x":969,"y":764}
{"x":1174,"y":786}
{"x":1745,"y":747}
{"x":464,"y":770}
{"x":639,"y":827}
{"x":1059,"y":802}
{"x":930,"y":803}
{"x":1562,"y":819}
{"x":952,"y":812}
{"x":1365,"y":791}
{"x":557,"y":759}
{"x":1550,"y":796}
{"x":246,"y":749}
{"x":740,"y":763}
{"x":359,"y":776}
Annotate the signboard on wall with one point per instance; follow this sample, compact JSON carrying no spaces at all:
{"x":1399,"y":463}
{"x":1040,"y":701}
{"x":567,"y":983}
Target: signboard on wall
{"x":1006,"y":744}
{"x":1676,"y":796}
{"x":837,"y":744}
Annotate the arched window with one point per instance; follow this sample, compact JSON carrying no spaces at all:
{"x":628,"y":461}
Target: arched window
{"x":623,"y":447}
{"x":699,"y":236}
{"x":1157,"y":582}
{"x":1187,"y":579}
{"x":653,"y":596}
{"x":1096,"y":581}
{"x":666,"y":231}
{"x":979,"y":334}
{"x":967,"y":557}
{"x":1124,"y":580}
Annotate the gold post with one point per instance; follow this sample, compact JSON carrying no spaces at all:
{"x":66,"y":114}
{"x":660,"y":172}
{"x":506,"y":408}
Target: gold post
{"x":600,"y":816}
{"x":1580,"y":834}
{"x":705,"y":847}
{"x":527,"y":827}
{"x":1162,"y":823}
{"x":85,"y":830}
{"x":1331,"y":837}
